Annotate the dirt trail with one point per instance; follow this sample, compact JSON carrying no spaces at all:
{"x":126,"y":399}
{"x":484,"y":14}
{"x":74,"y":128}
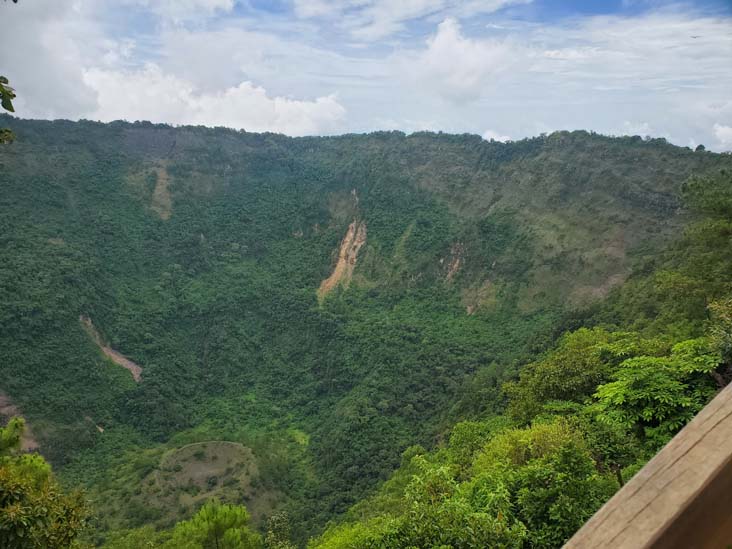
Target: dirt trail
{"x":161,"y":201}
{"x":8,"y":410}
{"x":116,"y":357}
{"x":347,"y":255}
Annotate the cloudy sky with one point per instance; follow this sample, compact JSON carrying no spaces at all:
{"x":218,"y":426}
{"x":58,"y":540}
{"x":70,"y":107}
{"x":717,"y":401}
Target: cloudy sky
{"x":504,"y":69}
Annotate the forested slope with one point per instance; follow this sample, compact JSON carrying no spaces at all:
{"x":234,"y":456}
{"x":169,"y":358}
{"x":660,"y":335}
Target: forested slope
{"x":198,"y":254}
{"x":582,"y":418}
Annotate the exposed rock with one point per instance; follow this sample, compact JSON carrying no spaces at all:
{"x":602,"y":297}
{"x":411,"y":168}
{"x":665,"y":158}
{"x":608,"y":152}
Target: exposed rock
{"x":457,"y":251}
{"x":347,"y":256}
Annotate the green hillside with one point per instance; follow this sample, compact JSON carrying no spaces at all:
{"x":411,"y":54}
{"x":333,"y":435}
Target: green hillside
{"x":582,"y":418}
{"x":329,"y":303}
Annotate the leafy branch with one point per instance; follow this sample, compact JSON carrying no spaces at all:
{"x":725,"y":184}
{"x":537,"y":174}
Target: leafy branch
{"x":7,"y":94}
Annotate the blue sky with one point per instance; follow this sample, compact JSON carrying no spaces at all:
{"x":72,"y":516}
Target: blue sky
{"x":504,"y":69}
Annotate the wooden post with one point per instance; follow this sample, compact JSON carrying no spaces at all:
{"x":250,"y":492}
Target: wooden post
{"x":681,"y":499}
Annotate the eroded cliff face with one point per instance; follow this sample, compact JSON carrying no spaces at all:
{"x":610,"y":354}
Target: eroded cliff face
{"x":351,"y":244}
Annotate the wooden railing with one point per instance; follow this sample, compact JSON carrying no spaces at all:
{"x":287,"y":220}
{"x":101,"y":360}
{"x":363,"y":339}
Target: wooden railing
{"x":681,"y":499}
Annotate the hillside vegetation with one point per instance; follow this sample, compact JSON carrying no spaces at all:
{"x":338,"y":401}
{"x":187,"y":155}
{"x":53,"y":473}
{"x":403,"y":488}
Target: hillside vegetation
{"x":582,"y":418}
{"x":369,"y":340}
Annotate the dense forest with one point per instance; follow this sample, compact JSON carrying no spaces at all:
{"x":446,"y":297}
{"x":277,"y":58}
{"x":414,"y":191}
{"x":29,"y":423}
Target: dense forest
{"x":380,"y":340}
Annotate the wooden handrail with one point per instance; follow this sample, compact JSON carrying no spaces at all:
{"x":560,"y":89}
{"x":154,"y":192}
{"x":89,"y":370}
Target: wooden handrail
{"x":682,"y":498}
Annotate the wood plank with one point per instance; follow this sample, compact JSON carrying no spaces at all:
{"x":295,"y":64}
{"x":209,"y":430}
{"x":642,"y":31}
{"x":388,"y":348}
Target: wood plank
{"x":682,"y":498}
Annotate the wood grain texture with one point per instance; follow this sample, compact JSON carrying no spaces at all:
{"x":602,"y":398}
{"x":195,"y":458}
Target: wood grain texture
{"x":682,"y":498}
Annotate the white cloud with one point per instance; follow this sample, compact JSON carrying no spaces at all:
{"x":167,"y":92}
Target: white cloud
{"x":179,"y":10}
{"x":375,"y":19}
{"x":43,"y":48}
{"x":569,"y":54}
{"x":151,"y":94}
{"x":383,"y":17}
{"x":220,"y":58}
{"x":669,"y":70}
{"x":325,"y":8}
{"x":69,"y":68}
{"x":490,"y":135}
{"x":724,"y":135}
{"x":459,"y":68}
{"x":635,"y":128}
{"x":450,"y":67}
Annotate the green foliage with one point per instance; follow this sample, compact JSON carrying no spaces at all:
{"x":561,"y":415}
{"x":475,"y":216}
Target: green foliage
{"x":671,"y":294}
{"x":721,"y":332}
{"x":6,"y":136}
{"x":466,"y":438}
{"x":443,"y":513}
{"x":527,"y":487}
{"x":197,"y":253}
{"x":656,"y":396}
{"x":140,"y":538}
{"x":600,"y":403}
{"x":557,"y":494}
{"x":709,"y":195}
{"x":646,"y":393}
{"x":279,"y":532}
{"x":215,"y":526}
{"x":571,"y":372}
{"x":7,"y":94}
{"x":10,"y":436}
{"x":34,"y":511}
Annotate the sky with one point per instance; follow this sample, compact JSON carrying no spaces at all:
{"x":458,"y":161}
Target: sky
{"x":502,"y":69}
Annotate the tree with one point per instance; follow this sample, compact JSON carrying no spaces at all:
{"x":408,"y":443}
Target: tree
{"x":558,"y":493}
{"x":215,"y":526}
{"x":656,"y":396}
{"x":571,"y":372}
{"x":10,"y":436}
{"x":278,"y":532}
{"x":553,"y":481}
{"x":442,"y":513}
{"x":721,"y":331}
{"x":34,"y":512}
{"x":7,"y":94}
{"x":709,"y":194}
{"x":139,"y":538}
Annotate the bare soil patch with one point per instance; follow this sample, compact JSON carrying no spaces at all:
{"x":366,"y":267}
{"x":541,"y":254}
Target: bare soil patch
{"x":457,"y":251}
{"x":114,"y":356}
{"x":352,"y":242}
